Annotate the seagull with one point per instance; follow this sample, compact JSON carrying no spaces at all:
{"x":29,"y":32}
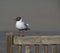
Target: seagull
{"x":20,"y":25}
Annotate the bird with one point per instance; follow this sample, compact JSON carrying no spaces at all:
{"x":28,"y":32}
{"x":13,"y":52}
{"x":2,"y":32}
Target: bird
{"x":21,"y":25}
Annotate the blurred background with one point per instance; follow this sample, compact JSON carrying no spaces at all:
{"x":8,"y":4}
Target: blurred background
{"x":42,"y":15}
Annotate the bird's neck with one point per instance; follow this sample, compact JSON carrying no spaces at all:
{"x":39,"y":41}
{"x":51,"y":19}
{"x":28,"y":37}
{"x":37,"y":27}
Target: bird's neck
{"x":20,"y":20}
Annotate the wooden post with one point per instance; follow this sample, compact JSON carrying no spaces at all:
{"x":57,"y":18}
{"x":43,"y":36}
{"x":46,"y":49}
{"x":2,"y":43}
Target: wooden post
{"x":36,"y":48}
{"x":54,"y":48}
{"x":9,"y":43}
{"x":19,"y":46}
{"x":45,"y":48}
{"x":27,"y":48}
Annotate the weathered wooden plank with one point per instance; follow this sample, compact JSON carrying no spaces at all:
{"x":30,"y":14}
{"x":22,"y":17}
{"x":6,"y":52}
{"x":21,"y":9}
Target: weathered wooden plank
{"x":27,"y":48}
{"x":9,"y":43}
{"x":54,"y":48}
{"x":45,"y":48}
{"x":37,"y":40}
{"x":36,"y":48}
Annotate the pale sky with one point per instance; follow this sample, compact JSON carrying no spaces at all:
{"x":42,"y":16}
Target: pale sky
{"x":42,"y":15}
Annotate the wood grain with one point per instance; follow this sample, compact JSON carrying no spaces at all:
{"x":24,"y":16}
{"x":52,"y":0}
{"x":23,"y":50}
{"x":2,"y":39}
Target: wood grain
{"x":45,"y":48}
{"x":36,"y":48}
{"x":37,"y":40}
{"x":27,"y":48}
{"x":19,"y":46}
{"x":54,"y":48}
{"x":9,"y":43}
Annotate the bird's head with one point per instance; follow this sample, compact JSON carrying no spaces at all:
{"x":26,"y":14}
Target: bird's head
{"x":18,"y":18}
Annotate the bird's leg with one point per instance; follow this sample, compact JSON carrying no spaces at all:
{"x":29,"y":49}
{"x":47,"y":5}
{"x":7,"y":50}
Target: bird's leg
{"x":21,"y":33}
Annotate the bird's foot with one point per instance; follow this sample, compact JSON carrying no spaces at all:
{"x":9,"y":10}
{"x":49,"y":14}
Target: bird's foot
{"x":21,"y":33}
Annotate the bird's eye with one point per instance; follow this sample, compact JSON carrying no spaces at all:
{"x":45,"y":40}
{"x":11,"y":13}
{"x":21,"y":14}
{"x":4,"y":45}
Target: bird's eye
{"x":18,"y":18}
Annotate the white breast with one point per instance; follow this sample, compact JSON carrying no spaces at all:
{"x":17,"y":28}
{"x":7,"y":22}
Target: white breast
{"x":20,"y":25}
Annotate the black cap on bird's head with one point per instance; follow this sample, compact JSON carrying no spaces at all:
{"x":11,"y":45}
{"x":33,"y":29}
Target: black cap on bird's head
{"x":18,"y":18}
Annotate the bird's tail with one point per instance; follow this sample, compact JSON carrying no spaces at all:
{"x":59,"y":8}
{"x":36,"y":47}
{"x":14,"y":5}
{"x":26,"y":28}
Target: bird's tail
{"x":27,"y":25}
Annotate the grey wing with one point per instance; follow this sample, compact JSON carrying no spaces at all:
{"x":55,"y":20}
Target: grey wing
{"x":26,"y":25}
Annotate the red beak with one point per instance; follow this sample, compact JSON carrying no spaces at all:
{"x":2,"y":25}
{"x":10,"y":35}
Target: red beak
{"x":14,"y":19}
